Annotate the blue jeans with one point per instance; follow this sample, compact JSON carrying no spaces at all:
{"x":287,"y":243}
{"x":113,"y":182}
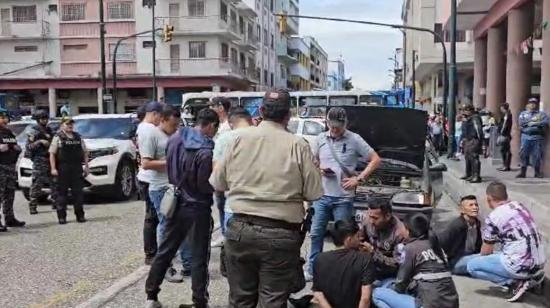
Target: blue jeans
{"x":185,"y":249}
{"x":531,"y":151}
{"x":461,"y":266}
{"x":491,"y":268}
{"x":326,"y":208}
{"x":219,"y":199}
{"x":389,"y":298}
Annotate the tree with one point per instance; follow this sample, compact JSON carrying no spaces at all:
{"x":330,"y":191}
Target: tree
{"x":348,"y":85}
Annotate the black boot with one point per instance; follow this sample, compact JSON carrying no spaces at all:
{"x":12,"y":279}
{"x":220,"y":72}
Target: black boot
{"x":522,"y":173}
{"x":2,"y":227}
{"x":538,"y":174}
{"x":81,"y":219}
{"x":13,"y":222}
{"x":62,"y":217}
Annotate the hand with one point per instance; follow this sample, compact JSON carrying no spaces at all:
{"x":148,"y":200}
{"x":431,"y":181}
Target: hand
{"x":54,"y":172}
{"x":46,"y":143}
{"x":366,"y":247}
{"x":4,"y":147}
{"x":350,"y":183}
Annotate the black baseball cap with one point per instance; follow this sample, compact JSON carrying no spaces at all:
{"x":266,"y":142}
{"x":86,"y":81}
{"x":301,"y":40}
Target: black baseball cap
{"x":154,"y":107}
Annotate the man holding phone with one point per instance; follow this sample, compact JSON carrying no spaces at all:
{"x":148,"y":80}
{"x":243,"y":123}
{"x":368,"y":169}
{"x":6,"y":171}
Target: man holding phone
{"x":337,"y":153}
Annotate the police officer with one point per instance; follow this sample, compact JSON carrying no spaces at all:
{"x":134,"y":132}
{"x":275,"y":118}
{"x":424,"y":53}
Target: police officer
{"x":9,"y":152}
{"x":37,"y":146}
{"x":472,"y":134}
{"x":533,"y":124}
{"x":67,"y":155}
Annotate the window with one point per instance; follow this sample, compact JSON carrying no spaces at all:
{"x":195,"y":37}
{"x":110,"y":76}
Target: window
{"x":234,"y":56}
{"x":265,"y":77}
{"x":25,"y":48}
{"x":137,"y":93}
{"x":120,"y":10}
{"x":272,"y":41}
{"x":242,"y":25}
{"x":125,"y":52}
{"x":223,"y":11}
{"x":271,"y":5}
{"x":197,"y":50}
{"x":174,"y":58}
{"x":225,"y":52}
{"x":271,"y":81}
{"x":266,"y":38}
{"x":196,"y":7}
{"x":24,"y":13}
{"x":313,"y":128}
{"x":73,"y":11}
{"x":75,"y":47}
{"x":258,"y":32}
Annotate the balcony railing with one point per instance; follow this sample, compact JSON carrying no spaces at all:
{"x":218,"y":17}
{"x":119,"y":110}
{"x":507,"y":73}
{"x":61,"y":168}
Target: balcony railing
{"x":201,"y":67}
{"x":40,"y":28}
{"x":212,"y":24}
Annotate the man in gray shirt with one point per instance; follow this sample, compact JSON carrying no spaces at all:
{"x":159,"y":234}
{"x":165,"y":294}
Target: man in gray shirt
{"x":337,"y":152}
{"x":153,"y":160}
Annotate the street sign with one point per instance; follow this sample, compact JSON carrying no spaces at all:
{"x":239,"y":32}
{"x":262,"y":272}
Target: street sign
{"x":148,"y":44}
{"x":107,"y":97}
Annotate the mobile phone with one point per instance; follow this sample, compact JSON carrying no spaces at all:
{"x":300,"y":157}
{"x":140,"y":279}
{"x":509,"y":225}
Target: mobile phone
{"x":328,"y":171}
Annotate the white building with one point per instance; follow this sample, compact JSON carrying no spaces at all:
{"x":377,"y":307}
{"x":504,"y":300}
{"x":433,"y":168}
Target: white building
{"x":336,"y":77}
{"x":318,"y":66}
{"x":429,"y":54}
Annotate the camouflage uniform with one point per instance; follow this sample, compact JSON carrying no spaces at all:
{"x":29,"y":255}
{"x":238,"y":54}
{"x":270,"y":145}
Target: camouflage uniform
{"x":8,"y":177}
{"x":41,"y":173}
{"x":8,"y":180}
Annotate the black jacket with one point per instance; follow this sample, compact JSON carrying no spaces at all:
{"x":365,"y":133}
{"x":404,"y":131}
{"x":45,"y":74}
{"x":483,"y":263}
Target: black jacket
{"x":453,"y":239}
{"x":472,"y":128}
{"x":505,"y":127}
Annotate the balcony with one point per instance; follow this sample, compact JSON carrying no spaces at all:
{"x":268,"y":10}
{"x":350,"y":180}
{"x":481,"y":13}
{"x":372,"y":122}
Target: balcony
{"x":285,"y":55}
{"x":93,"y":69}
{"x":249,"y":42}
{"x":40,"y":29}
{"x":203,"y":25}
{"x":293,"y":26}
{"x":246,"y":10}
{"x":207,"y":67}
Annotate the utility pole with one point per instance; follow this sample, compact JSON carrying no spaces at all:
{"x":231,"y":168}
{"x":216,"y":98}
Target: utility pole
{"x":154,"y":39}
{"x":102,"y":53}
{"x":452,"y":84}
{"x":413,"y":87}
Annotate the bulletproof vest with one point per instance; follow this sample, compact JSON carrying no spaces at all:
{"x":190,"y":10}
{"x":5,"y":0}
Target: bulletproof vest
{"x":10,"y":156}
{"x":70,"y":150}
{"x":40,"y":133}
{"x":469,"y":130}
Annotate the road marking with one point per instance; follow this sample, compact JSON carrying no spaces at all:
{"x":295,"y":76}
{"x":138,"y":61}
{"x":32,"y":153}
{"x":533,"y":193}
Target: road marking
{"x":102,"y":298}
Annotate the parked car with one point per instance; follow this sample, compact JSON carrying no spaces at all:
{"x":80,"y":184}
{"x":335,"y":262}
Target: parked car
{"x":405,"y":177}
{"x":308,"y":128}
{"x":112,"y":155}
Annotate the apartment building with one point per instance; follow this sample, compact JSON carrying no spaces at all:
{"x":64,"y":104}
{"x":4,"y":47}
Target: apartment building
{"x":285,"y":57}
{"x":299,"y":72}
{"x":318,"y":64}
{"x":336,"y":76}
{"x":428,"y":53}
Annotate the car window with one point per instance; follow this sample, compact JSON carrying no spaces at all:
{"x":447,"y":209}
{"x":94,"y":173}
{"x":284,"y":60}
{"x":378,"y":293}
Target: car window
{"x":99,"y":128}
{"x":313,"y":128}
{"x":293,"y":126}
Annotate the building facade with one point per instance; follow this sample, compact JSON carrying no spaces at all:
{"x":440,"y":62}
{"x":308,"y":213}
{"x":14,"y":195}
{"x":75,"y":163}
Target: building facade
{"x":428,"y":54}
{"x":318,"y":64}
{"x":336,"y":76}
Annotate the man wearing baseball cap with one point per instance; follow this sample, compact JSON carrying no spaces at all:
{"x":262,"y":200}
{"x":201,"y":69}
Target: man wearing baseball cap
{"x":337,"y":152}
{"x":533,"y":124}
{"x":267,"y":174}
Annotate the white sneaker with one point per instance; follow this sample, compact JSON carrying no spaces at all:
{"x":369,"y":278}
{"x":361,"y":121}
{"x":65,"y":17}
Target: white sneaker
{"x":153,"y":304}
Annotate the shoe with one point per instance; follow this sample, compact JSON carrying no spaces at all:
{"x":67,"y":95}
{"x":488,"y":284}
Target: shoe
{"x":12,"y":222}
{"x":3,"y":228}
{"x":33,"y":211}
{"x":173,"y":276}
{"x":504,"y":169}
{"x":475,"y":179}
{"x":522,"y":173}
{"x":466,"y":177}
{"x":186,"y":272}
{"x":62,"y":221}
{"x":81,"y":219}
{"x":153,"y":304}
{"x":518,"y":290}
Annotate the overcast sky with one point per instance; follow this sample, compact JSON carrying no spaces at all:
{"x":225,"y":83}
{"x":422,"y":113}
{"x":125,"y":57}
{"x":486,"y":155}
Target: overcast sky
{"x":365,"y":49}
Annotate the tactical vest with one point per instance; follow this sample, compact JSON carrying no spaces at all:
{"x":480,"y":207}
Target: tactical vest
{"x":10,"y":156}
{"x":69,"y":152}
{"x":40,"y":133}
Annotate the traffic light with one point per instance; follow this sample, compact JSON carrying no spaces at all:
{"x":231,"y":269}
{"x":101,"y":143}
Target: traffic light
{"x":282,"y":24}
{"x":168,"y":31}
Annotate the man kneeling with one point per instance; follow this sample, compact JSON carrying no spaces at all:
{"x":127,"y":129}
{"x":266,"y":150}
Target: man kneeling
{"x":521,"y":262}
{"x":343,"y":277}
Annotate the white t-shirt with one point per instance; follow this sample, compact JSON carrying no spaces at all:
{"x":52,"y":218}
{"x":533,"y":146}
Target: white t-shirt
{"x":154,"y":148}
{"x":144,"y":132}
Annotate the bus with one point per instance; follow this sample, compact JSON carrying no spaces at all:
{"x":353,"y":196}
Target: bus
{"x":304,"y":103}
{"x":10,"y":102}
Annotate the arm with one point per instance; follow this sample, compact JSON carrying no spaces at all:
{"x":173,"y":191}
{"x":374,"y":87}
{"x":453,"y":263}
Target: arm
{"x":366,"y":293}
{"x":374,"y":163}
{"x":311,"y":177}
{"x":204,"y":170}
{"x":53,"y":152}
{"x":33,"y":144}
{"x":490,"y":236}
{"x":151,"y":164}
{"x":364,"y":150}
{"x":86,"y":158}
{"x":486,"y":249}
{"x":218,"y":178}
{"x":53,"y":164}
{"x":323,"y":302}
{"x":405,"y":273}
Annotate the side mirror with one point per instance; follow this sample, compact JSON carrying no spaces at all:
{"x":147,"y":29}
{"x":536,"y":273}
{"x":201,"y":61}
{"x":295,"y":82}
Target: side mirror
{"x":439,"y":167}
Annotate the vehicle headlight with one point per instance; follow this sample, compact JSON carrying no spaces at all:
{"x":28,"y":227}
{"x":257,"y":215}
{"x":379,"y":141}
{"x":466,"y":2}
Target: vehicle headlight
{"x":411,"y":198}
{"x":102,"y":152}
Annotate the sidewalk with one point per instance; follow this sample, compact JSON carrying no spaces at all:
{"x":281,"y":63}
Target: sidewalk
{"x":531,"y":192}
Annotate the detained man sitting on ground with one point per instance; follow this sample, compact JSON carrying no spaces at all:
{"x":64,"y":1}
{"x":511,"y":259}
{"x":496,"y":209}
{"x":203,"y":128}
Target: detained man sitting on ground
{"x":520,"y":264}
{"x":461,"y":237}
{"x":343,"y":277}
{"x":382,"y":233}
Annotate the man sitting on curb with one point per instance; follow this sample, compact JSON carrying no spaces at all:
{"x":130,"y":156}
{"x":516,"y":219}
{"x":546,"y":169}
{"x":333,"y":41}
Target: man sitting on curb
{"x":461,"y":238}
{"x":521,"y":262}
{"x":382,"y":233}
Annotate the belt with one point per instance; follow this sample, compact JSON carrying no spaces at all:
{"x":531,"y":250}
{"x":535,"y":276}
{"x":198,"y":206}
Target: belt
{"x":432,"y":276}
{"x":267,"y":222}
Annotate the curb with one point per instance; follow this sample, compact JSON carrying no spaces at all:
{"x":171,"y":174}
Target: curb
{"x":105,"y":296}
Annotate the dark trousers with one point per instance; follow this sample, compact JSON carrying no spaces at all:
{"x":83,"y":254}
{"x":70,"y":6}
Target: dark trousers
{"x":472,"y":148}
{"x":219,"y":199}
{"x":195,"y":219}
{"x":261,"y":264}
{"x":70,"y":177}
{"x":150,"y":222}
{"x":505,"y":151}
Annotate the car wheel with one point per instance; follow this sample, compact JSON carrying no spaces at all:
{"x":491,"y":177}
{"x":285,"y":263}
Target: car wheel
{"x":125,"y":183}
